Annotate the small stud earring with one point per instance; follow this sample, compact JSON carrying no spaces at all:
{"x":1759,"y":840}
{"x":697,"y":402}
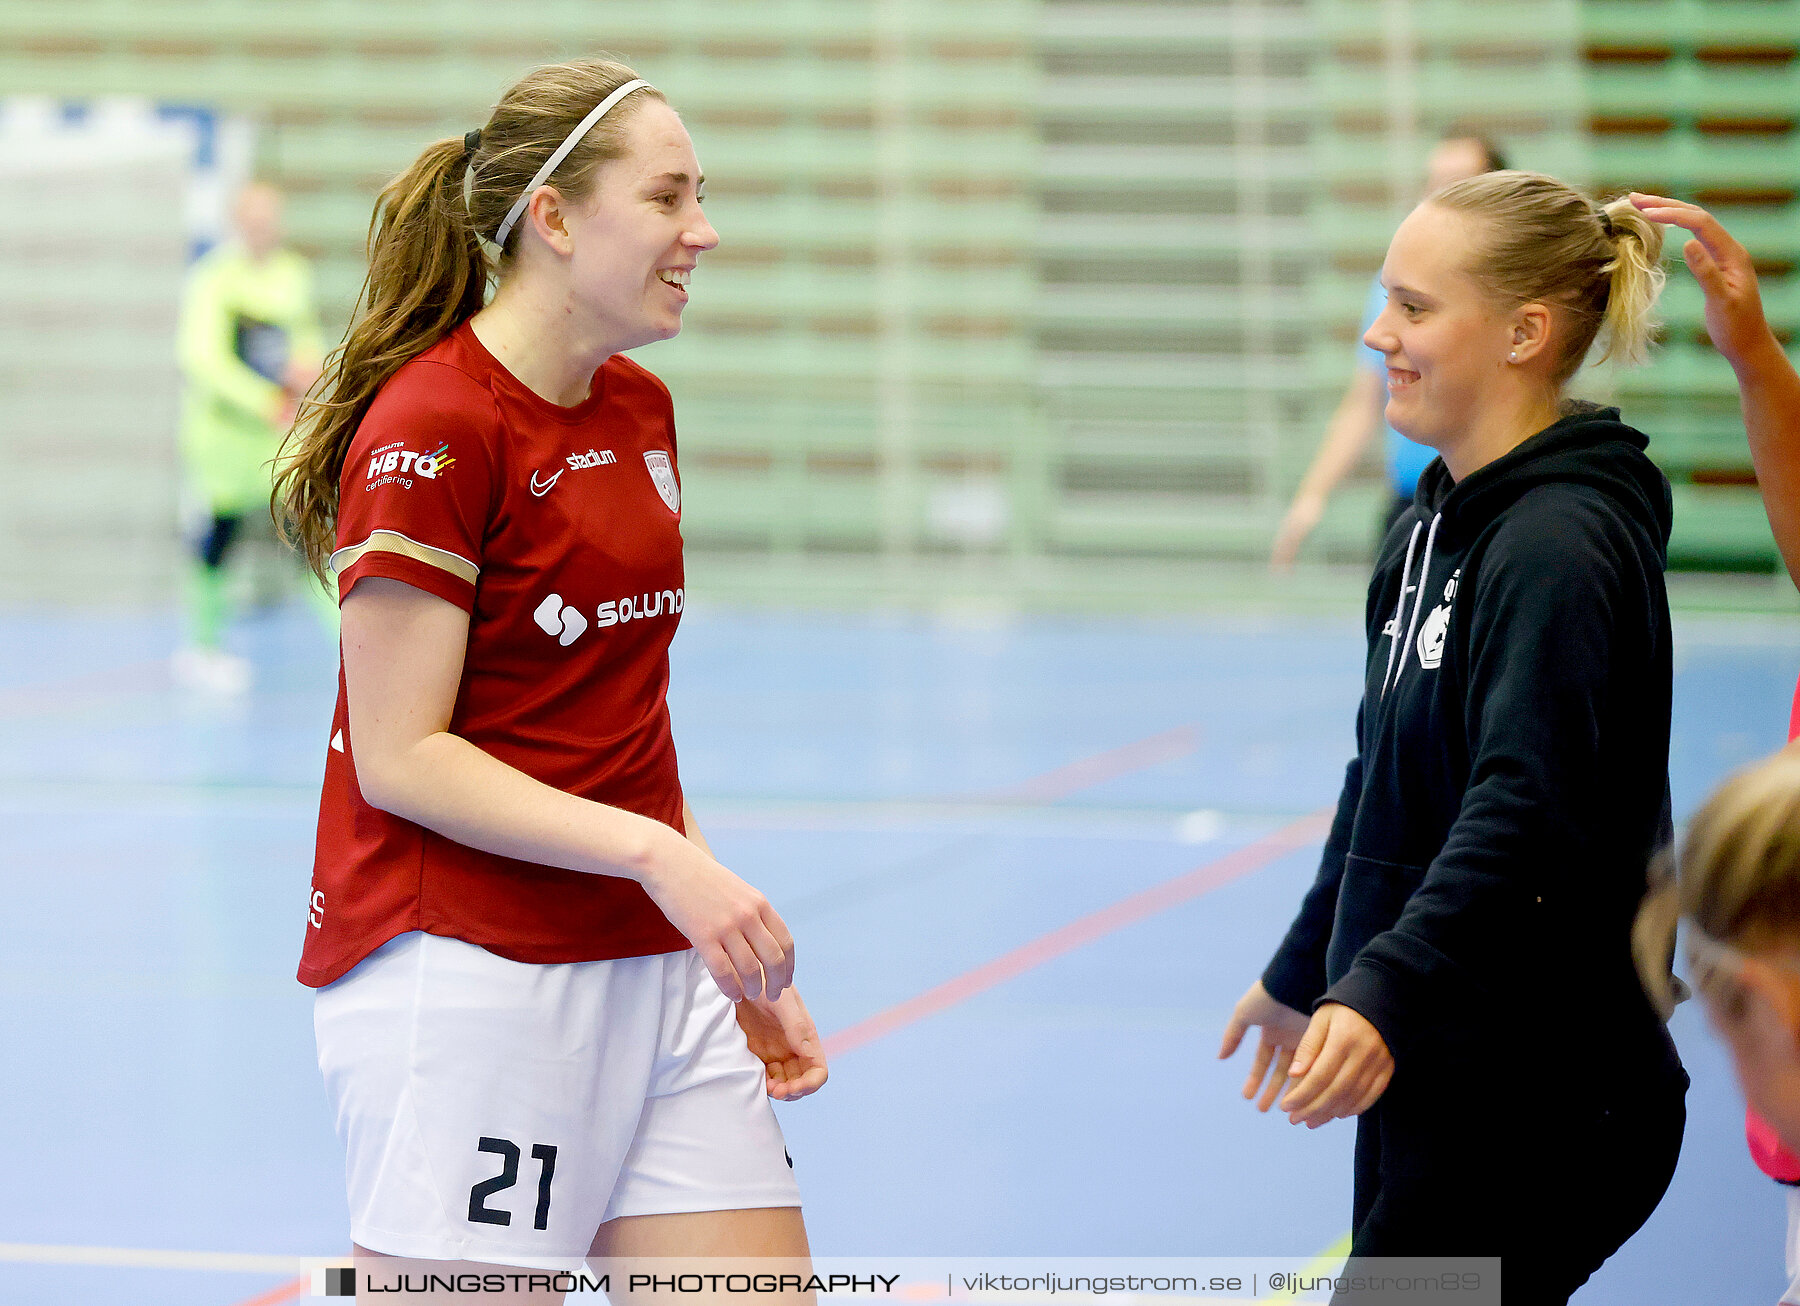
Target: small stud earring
{"x":1513,"y":357}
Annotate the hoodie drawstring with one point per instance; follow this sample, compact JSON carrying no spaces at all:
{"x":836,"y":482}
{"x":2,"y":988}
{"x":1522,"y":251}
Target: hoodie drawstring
{"x":1400,"y":607}
{"x":1424,"y":573}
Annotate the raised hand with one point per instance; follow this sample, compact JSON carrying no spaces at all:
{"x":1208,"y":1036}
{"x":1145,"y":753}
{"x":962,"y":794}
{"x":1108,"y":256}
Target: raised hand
{"x":1722,"y":266}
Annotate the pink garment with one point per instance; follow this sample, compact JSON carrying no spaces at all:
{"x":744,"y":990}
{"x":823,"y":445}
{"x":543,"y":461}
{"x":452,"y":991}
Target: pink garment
{"x":1766,"y":1150}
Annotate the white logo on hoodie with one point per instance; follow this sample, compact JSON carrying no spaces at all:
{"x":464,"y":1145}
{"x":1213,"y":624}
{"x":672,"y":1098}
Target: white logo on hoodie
{"x":1437,"y":628}
{"x":1432,"y":635}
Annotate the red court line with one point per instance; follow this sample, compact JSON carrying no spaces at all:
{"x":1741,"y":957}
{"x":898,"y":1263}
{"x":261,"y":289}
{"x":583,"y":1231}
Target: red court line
{"x":54,"y":695}
{"x":1078,"y":933}
{"x":286,"y":1292}
{"x":1101,"y":767}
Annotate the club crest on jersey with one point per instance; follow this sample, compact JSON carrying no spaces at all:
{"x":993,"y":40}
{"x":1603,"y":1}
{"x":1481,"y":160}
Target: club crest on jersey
{"x":662,"y":471}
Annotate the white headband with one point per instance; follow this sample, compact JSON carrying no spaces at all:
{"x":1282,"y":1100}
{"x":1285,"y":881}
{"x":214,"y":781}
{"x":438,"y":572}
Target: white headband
{"x":562,"y":152}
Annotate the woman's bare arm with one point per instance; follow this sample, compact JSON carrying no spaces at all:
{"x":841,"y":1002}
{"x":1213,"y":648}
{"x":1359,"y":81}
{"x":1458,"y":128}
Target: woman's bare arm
{"x":1768,"y":388}
{"x":403,"y":661}
{"x":1347,"y":436}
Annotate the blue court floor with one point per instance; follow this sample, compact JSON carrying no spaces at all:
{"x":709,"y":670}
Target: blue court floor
{"x":918,"y":797}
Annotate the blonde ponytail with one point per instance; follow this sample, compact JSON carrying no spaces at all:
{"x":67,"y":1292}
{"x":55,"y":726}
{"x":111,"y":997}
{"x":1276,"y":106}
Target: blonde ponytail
{"x":1637,"y":280}
{"x":1653,"y":935}
{"x":1543,"y":241}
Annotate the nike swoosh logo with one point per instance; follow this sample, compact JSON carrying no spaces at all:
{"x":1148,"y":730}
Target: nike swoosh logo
{"x":546,"y":487}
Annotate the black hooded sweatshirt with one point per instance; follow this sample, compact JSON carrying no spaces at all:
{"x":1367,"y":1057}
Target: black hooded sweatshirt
{"x":1510,"y":786}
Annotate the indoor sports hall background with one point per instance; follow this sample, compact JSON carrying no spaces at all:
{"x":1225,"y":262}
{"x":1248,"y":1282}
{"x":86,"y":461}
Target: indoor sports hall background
{"x":1026,"y":318}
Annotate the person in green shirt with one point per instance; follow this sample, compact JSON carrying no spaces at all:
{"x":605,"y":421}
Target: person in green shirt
{"x":250,"y":346}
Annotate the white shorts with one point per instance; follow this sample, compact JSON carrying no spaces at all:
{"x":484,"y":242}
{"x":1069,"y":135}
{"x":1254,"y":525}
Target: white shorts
{"x":501,"y":1112}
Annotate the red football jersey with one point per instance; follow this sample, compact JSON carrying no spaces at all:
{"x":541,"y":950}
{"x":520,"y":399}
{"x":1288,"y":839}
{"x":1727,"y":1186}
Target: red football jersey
{"x":559,"y":531}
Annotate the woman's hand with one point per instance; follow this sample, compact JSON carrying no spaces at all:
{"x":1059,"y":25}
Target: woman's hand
{"x":737,"y":934}
{"x":1282,"y":1029}
{"x":1343,"y":1066}
{"x":783,"y":1037}
{"x":1722,"y":266}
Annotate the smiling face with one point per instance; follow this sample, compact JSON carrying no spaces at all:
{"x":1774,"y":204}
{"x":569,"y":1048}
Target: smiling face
{"x":1445,"y":341}
{"x":634,"y":243}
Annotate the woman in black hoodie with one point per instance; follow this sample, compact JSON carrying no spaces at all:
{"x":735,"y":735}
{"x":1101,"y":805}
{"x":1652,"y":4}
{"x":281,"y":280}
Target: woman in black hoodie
{"x":1460,"y":975}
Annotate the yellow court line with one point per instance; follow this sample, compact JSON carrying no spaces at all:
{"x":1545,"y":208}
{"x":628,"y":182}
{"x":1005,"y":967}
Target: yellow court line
{"x":152,"y":1258}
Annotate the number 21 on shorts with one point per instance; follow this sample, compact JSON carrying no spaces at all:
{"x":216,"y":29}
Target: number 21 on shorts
{"x":542,"y":1153}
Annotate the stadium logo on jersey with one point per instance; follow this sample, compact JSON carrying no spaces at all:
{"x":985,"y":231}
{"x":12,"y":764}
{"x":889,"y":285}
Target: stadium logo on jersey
{"x":394,"y":464}
{"x":578,"y":462}
{"x":662,"y":471}
{"x":554,"y":618}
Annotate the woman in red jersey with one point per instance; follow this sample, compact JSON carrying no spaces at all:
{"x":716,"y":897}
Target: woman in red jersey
{"x":548,"y":1019}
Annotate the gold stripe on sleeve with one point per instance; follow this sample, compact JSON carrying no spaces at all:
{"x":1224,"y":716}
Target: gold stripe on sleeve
{"x":395,"y":542}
